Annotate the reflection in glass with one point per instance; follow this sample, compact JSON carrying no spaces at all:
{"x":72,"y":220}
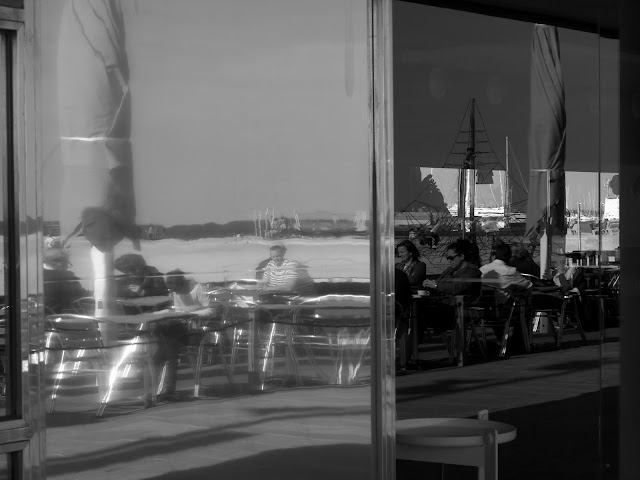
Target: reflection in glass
{"x":548,"y":262}
{"x":224,"y":141}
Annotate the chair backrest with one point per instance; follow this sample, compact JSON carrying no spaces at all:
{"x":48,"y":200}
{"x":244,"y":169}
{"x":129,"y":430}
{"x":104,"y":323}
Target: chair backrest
{"x":84,"y":306}
{"x":71,"y":331}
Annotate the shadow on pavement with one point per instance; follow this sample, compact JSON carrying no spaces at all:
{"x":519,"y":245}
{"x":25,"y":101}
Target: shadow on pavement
{"x":326,"y":462}
{"x":556,"y":440}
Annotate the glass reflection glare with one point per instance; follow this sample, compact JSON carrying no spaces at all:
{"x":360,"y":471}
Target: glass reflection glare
{"x":236,"y":136}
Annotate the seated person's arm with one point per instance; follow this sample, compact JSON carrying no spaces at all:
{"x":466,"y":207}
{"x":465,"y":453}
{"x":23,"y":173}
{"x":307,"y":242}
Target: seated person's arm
{"x":517,"y":280}
{"x":418,"y":274}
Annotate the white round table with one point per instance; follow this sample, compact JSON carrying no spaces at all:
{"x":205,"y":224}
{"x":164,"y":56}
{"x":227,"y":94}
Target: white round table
{"x":456,"y":441}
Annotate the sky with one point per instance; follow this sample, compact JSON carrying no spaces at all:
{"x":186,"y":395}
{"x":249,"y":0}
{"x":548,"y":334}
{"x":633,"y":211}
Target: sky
{"x":237,"y":106}
{"x":244,"y":106}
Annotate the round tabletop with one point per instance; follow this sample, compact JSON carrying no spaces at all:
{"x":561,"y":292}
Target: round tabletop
{"x":450,"y":432}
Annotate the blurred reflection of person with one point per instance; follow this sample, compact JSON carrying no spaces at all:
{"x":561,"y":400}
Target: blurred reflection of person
{"x":61,"y":286}
{"x":189,"y":297}
{"x":286,"y":276}
{"x":260,"y":268}
{"x":410,"y":263}
{"x":139,"y":279}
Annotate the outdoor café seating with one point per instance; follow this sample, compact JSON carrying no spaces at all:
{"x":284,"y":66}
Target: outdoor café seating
{"x":335,"y":330}
{"x":75,"y":347}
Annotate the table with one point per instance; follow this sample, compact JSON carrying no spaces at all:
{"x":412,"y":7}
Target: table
{"x":456,"y":346}
{"x":416,"y":300}
{"x":253,"y":309}
{"x":147,"y":304}
{"x":456,"y":441}
{"x":134,"y":350}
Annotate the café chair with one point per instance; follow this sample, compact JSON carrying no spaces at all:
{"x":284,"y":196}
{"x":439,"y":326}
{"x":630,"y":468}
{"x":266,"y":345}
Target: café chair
{"x":208,"y":336}
{"x":74,"y":347}
{"x":499,"y":310}
{"x":337,"y":326}
{"x":458,"y":339}
{"x":240,"y":315}
{"x":567,"y":315}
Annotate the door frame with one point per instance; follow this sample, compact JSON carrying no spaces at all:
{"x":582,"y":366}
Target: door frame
{"x":22,"y":429}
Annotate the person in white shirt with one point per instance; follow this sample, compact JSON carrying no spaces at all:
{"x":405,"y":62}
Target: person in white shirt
{"x":506,"y":278}
{"x":501,"y":273}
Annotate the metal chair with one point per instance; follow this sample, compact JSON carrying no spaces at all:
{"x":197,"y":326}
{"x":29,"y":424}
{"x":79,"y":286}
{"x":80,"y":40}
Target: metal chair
{"x":566,"y":316}
{"x":497,"y":309}
{"x":337,"y":328}
{"x":79,"y":341}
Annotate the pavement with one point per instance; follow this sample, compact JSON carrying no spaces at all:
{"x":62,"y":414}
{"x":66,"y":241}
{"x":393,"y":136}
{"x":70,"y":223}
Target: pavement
{"x":557,"y":399}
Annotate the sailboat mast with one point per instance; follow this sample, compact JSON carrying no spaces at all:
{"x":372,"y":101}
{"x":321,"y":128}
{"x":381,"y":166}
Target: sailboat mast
{"x":506,"y":199}
{"x":471,"y":184}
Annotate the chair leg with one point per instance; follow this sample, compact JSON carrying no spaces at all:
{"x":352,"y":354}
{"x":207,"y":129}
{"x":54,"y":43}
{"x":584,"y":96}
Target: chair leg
{"x":198,"y":369}
{"x":524,"y":326}
{"x":561,"y":325}
{"x":575,"y":312}
{"x":506,"y":333}
{"x":163,"y":378}
{"x":56,"y":384}
{"x":268,"y":355}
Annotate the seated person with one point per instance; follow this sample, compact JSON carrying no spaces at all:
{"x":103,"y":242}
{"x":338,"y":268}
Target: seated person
{"x":505,"y":276}
{"x":522,"y":260}
{"x":460,"y":278}
{"x":188,"y":296}
{"x":403,"y":305}
{"x":61,"y":286}
{"x":139,"y":279}
{"x":260,"y":268}
{"x":507,"y":279}
{"x":410,"y":263}
{"x":282,"y":275}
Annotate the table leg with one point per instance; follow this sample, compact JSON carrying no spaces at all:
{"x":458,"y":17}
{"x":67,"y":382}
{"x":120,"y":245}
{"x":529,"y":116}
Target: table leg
{"x":253,"y":373}
{"x":489,"y":471}
{"x":413,"y":333}
{"x":459,"y":342}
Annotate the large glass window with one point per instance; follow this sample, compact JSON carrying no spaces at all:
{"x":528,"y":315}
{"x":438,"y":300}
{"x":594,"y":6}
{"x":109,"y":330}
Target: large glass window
{"x":507,"y":226}
{"x":207,"y":261}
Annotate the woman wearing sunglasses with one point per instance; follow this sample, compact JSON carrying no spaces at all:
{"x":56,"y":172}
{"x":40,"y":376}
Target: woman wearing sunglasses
{"x":460,"y":278}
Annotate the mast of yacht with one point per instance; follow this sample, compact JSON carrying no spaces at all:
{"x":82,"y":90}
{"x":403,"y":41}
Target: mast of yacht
{"x":505,"y":197}
{"x":467,"y":179}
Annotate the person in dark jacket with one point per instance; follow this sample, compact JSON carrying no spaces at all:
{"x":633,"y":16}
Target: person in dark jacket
{"x":61,"y":286}
{"x":410,"y":263}
{"x":522,"y":260}
{"x":403,"y":306}
{"x":462,"y":277}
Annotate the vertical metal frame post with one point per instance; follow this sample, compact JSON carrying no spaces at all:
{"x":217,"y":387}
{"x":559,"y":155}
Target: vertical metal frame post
{"x":382,"y":288}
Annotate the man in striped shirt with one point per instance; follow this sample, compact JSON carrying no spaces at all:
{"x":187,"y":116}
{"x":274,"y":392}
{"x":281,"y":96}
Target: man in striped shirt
{"x":286,"y":276}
